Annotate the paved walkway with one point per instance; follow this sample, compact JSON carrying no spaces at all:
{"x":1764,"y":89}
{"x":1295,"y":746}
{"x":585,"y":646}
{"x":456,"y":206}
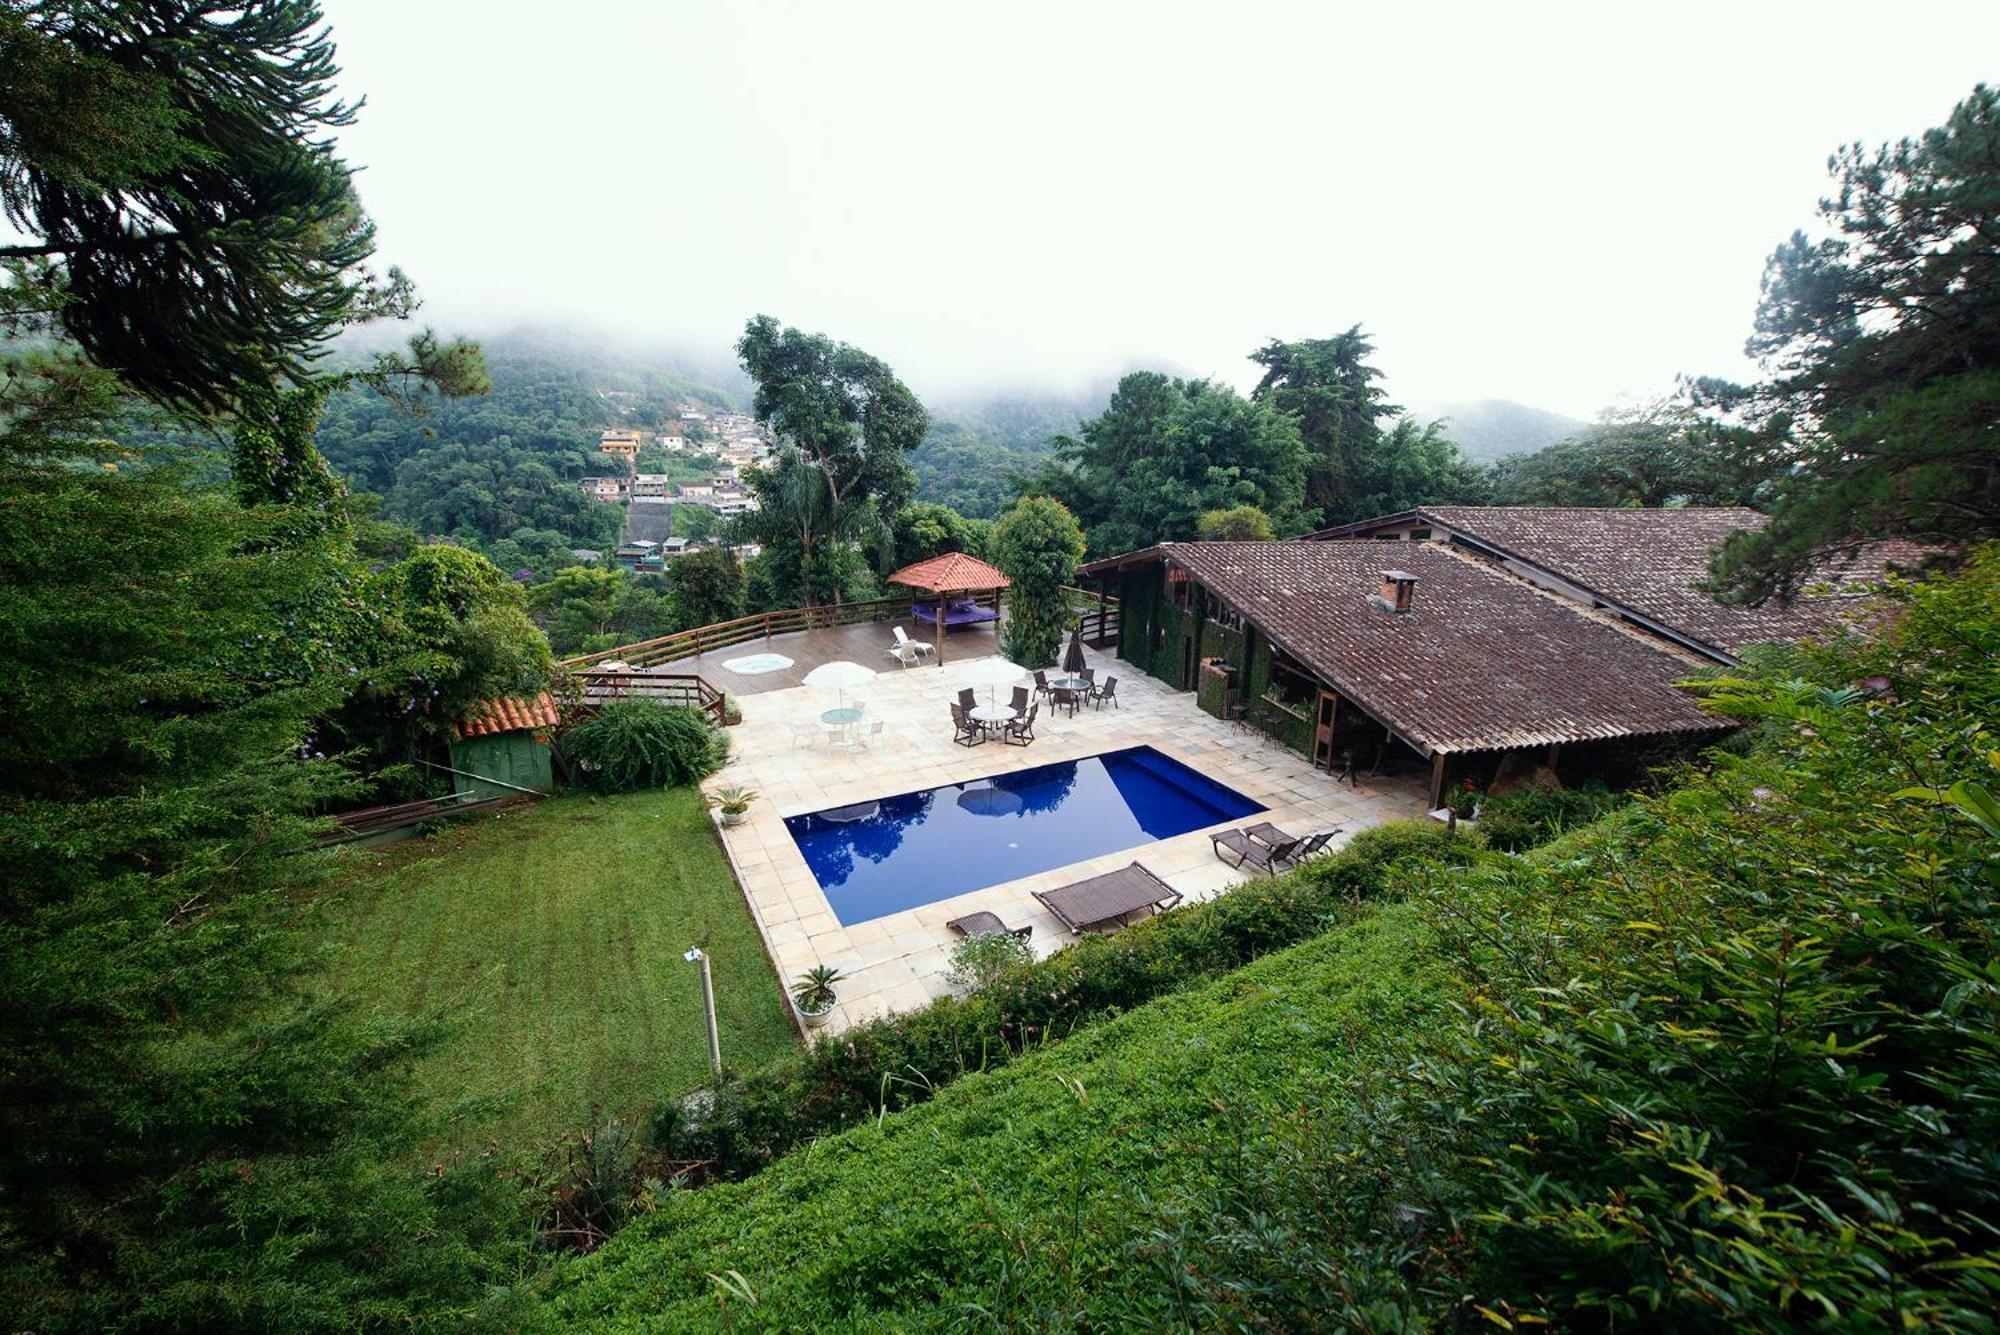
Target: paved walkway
{"x":898,"y":962}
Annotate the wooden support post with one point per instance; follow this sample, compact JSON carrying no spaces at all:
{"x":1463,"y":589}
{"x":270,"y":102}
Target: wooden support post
{"x":1437,"y":779}
{"x":940,"y":629}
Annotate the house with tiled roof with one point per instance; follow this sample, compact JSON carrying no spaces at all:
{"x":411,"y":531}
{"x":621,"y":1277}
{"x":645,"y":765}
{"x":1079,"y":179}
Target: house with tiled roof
{"x":1644,"y":566}
{"x":1364,"y":656}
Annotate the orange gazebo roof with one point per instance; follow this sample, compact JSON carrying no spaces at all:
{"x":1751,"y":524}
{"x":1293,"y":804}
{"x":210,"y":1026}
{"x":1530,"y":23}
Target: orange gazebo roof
{"x":954,"y":572}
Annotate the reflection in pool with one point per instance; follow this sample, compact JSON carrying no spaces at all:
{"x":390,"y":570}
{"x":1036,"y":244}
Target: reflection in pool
{"x":883,"y":857}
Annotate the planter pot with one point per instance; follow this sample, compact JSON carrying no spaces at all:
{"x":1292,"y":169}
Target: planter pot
{"x":735,"y":817}
{"x":812,"y":1019}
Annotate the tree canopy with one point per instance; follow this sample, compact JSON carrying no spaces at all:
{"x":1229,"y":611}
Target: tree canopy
{"x":173,"y":162}
{"x":1164,"y":451}
{"x":1037,"y":545}
{"x":1880,"y":342}
{"x":1355,"y":467}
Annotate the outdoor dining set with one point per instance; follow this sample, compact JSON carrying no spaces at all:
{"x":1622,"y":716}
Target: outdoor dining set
{"x":1014,"y":722}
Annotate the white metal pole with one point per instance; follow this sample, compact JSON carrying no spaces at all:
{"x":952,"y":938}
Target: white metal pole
{"x":700,"y":956}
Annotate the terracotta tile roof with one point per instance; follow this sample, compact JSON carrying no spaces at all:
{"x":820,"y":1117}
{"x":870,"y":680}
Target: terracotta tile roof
{"x":1651,"y":562}
{"x":511,"y":714}
{"x":954,"y":572}
{"x":1480,"y":662}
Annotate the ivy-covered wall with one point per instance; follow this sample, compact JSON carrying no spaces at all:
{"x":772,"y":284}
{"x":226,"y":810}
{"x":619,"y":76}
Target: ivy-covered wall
{"x":1150,"y":638}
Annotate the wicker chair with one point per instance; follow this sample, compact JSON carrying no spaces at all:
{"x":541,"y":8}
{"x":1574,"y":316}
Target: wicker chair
{"x":969,"y":732}
{"x":1021,"y":731}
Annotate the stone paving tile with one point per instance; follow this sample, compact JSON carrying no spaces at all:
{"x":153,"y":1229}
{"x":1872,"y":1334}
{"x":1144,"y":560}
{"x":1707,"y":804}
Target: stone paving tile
{"x":898,"y":961}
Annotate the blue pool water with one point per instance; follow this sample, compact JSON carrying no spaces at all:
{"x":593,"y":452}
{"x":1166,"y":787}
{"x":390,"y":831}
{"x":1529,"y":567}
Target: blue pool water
{"x":887,"y":856}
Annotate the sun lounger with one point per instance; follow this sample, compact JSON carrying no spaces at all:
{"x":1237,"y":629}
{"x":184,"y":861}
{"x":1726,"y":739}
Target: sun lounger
{"x":1266,"y":847}
{"x":983,"y":923}
{"x":1107,"y":899}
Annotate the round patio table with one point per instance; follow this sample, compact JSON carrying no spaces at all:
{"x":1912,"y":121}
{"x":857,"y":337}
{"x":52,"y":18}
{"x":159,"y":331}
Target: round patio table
{"x":840,"y":718}
{"x":1069,"y":691}
{"x":994,"y":714}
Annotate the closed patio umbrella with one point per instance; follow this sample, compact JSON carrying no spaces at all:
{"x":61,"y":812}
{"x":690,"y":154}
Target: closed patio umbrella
{"x":1073,"y":656}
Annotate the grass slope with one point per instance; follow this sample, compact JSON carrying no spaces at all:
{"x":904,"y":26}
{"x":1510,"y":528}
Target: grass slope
{"x":553,"y":934}
{"x":1029,"y":1193}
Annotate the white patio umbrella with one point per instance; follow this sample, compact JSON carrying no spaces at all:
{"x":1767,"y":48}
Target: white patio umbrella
{"x":841,"y":675}
{"x":994,"y":672}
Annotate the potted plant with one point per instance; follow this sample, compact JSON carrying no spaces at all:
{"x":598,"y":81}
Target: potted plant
{"x":733,"y":803}
{"x":814,"y":995}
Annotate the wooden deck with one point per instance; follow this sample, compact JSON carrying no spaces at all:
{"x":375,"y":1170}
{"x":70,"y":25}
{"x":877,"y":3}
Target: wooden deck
{"x":866,"y":643}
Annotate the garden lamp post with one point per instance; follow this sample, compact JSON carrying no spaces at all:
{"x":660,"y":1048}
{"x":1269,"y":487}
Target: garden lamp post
{"x":700,"y":956}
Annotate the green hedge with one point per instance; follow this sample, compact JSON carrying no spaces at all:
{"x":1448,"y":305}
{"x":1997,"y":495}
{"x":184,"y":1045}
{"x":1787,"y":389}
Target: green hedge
{"x":1517,"y":821}
{"x":900,"y":1060}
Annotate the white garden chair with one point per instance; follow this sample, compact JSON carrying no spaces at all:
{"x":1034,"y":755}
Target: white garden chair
{"x":922,"y":647}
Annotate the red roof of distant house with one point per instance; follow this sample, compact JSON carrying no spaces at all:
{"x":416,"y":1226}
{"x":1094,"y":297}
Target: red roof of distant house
{"x":489,"y":718}
{"x":954,"y":572}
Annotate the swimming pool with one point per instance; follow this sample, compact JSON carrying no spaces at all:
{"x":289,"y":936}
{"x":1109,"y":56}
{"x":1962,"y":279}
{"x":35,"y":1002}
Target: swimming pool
{"x":882,"y":857}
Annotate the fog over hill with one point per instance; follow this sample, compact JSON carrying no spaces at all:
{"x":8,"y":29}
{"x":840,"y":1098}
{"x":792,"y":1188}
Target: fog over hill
{"x":1489,"y":429}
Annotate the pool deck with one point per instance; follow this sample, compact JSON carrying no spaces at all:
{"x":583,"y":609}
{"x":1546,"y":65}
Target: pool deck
{"x":897,"y":962}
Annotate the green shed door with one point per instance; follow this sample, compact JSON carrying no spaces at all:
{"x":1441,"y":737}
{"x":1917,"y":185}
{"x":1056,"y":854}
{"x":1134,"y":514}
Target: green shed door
{"x":514,"y":758}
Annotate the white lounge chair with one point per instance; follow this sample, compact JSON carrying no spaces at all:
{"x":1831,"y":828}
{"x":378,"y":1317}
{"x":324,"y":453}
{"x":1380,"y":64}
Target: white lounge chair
{"x":921,"y":646}
{"x":904,"y":653}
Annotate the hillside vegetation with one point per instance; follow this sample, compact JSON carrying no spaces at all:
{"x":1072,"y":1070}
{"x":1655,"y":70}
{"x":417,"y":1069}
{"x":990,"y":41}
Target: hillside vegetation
{"x":1723,"y":1061}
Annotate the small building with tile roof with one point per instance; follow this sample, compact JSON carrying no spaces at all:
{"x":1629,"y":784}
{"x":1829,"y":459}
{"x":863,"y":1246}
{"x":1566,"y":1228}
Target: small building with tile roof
{"x":502,"y":747}
{"x":1357,"y":653}
{"x":1643,"y":566}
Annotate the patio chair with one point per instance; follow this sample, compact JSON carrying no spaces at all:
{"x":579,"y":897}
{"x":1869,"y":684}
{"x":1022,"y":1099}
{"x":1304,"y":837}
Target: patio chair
{"x":1108,"y":691}
{"x":1020,"y":700}
{"x":921,"y":646}
{"x":868,"y":738}
{"x":983,"y":923}
{"x":1021,"y":731}
{"x":969,"y":732}
{"x":904,"y":652}
{"x":1089,"y":676}
{"x":968,"y":698}
{"x":806,"y":731}
{"x":1042,"y":685}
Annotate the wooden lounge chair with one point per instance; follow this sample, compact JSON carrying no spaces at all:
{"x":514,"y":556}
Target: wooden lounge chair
{"x":1266,"y":847}
{"x":983,"y":923}
{"x":1106,"y":900}
{"x":1021,"y":731}
{"x":1108,"y":691}
{"x":969,"y":732}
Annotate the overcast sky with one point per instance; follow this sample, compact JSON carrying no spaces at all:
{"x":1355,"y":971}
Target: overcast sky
{"x":1559,"y":205}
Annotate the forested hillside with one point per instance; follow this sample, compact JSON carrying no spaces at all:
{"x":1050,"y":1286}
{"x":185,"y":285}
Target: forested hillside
{"x":979,"y":451}
{"x":480,"y":469}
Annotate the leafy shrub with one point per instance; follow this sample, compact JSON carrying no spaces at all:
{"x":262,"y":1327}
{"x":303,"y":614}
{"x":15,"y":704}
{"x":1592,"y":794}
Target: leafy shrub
{"x":1520,"y":820}
{"x":979,"y":961}
{"x":902,"y":1059}
{"x":631,"y":744}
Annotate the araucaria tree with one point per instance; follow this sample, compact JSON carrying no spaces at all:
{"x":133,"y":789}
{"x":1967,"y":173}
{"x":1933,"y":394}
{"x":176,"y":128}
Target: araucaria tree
{"x":847,"y":425}
{"x":1037,"y":545}
{"x":1881,"y":345}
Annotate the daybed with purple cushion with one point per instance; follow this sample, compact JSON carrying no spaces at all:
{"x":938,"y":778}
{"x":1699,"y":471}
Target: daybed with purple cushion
{"x":957,"y":612}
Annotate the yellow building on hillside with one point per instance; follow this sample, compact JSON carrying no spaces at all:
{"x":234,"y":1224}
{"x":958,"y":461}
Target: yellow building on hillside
{"x":624,"y":444}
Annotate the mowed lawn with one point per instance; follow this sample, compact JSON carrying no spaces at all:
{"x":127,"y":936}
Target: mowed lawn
{"x":552,"y":935}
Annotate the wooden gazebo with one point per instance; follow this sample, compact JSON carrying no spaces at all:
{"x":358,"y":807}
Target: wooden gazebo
{"x":955,"y":582}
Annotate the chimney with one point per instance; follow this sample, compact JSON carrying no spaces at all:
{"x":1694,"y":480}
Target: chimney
{"x":1398,"y":587}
